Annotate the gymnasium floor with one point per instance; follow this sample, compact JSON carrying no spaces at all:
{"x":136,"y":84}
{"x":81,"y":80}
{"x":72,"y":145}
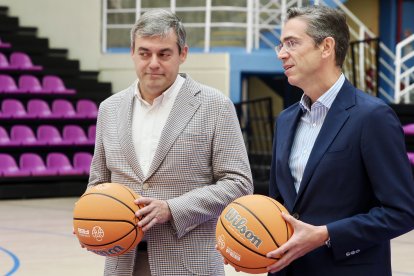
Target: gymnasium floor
{"x":36,"y":240}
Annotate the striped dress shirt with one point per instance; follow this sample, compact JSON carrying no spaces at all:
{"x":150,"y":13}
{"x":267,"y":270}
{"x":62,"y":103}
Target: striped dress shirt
{"x":308,"y":129}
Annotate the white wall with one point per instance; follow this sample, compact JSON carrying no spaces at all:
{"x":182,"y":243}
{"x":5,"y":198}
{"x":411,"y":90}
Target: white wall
{"x":76,"y":26}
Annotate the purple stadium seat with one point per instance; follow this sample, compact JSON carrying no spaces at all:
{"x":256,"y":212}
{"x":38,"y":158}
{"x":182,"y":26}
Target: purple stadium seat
{"x":8,"y":85}
{"x":48,"y":135}
{"x":61,"y":163}
{"x":34,"y":164}
{"x":5,"y":139}
{"x":29,"y":83}
{"x":63,"y":109}
{"x":12,"y":108}
{"x":4,"y":63}
{"x":4,"y":44}
{"x":82,"y":161}
{"x":22,"y":135}
{"x":86,"y":109}
{"x":73,"y":134}
{"x":411,"y":157}
{"x":38,"y":109}
{"x":409,"y":129}
{"x":92,"y":134}
{"x":23,"y":61}
{"x":53,"y":84}
{"x":9,"y":168}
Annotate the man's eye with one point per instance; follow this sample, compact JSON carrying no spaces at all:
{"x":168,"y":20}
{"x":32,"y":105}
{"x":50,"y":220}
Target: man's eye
{"x":143,"y":54}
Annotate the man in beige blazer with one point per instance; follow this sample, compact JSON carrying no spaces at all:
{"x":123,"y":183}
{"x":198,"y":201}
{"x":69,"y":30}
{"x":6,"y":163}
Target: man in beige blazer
{"x":178,"y":144}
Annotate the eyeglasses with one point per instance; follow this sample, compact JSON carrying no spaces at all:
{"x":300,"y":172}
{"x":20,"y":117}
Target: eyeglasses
{"x":288,"y":45}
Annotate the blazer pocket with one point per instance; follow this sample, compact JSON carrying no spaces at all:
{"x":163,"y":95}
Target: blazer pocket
{"x":338,"y":154}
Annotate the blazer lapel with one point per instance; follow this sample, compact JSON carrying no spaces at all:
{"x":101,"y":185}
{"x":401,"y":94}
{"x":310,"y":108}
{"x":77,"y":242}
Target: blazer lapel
{"x":125,"y":130}
{"x":287,"y":134}
{"x":334,"y":121}
{"x":185,"y":105}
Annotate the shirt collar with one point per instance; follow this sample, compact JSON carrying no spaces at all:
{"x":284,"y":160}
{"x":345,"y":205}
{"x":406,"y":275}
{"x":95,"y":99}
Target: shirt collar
{"x":326,"y":99}
{"x":165,"y":96}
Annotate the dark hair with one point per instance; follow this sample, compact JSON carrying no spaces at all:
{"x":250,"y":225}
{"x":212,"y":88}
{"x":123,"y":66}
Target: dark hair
{"x":158,"y":22}
{"x":325,"y":22}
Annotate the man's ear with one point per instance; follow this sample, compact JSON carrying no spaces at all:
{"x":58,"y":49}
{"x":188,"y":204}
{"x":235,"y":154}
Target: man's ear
{"x":183,"y":54}
{"x":328,"y":47}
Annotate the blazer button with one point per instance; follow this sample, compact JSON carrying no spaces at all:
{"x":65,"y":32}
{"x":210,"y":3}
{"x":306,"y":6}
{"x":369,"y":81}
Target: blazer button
{"x":295,"y":215}
{"x":145,"y":186}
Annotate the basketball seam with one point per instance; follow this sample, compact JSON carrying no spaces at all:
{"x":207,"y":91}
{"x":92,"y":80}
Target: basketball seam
{"x":133,"y":229}
{"x":228,"y":260}
{"x":264,"y":226}
{"x":114,"y":199}
{"x":235,"y":239}
{"x":286,"y":224}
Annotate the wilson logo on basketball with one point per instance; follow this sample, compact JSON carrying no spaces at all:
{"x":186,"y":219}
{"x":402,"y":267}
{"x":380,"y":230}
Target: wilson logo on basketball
{"x":239,"y":223}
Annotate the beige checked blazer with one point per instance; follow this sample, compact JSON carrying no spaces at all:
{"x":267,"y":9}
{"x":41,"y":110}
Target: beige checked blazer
{"x":199,"y":167}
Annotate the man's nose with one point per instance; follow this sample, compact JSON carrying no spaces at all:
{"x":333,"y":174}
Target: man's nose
{"x":154,"y":62}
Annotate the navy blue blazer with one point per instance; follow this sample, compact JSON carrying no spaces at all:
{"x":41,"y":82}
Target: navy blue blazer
{"x":358,"y":182}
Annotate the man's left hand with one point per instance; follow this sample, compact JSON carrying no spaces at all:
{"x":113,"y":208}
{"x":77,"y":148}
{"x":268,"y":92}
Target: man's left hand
{"x":155,"y":211}
{"x":305,"y":238}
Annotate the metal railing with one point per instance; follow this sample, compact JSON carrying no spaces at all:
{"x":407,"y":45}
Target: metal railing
{"x":404,"y":72}
{"x":249,"y":24}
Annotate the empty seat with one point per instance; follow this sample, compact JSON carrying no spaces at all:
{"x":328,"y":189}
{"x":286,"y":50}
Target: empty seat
{"x":82,"y":161}
{"x":74,"y":135}
{"x":60,"y":163}
{"x":92,"y":134}
{"x":9,"y":168}
{"x":86,"y":109}
{"x":4,"y":138}
{"x":33,"y":163}
{"x":411,"y":157}
{"x":63,"y":109}
{"x":8,"y":85}
{"x":54,"y":84}
{"x":48,"y":135}
{"x":409,"y":129}
{"x":12,"y":108}
{"x":31,"y":84}
{"x":4,"y":63}
{"x":23,"y":61}
{"x":37,"y":108}
{"x":22,"y":135}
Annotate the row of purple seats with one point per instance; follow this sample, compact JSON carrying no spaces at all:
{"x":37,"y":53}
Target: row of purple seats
{"x":36,"y":108}
{"x":30,"y":84}
{"x":4,"y":44}
{"x":31,"y":164}
{"x":47,"y":135}
{"x":18,"y":61}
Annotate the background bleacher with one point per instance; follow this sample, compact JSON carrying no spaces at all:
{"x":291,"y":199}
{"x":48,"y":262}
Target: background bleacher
{"x":48,"y":109}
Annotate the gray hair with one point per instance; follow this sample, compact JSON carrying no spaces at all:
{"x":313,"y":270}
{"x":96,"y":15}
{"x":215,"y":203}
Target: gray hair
{"x":325,"y":22}
{"x":158,"y":22}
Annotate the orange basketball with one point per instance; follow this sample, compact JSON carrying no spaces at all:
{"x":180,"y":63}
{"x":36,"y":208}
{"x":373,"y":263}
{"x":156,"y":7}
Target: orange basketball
{"x":249,"y":228}
{"x":104,"y":219}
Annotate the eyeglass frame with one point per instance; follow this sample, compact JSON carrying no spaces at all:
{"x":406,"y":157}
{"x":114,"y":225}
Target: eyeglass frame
{"x":289,"y":45}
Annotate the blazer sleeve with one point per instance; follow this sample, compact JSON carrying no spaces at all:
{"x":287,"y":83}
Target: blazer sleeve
{"x":99,"y":172}
{"x":231,"y":175}
{"x":390,"y":176}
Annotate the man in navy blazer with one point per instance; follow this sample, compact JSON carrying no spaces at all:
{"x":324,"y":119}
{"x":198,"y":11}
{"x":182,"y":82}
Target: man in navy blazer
{"x":339,"y":159}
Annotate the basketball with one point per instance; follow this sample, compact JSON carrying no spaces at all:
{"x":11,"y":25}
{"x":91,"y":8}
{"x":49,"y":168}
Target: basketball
{"x":249,"y":228}
{"x":104,"y":219}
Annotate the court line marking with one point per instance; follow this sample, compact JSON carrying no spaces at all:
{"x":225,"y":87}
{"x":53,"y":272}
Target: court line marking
{"x":16,"y":262}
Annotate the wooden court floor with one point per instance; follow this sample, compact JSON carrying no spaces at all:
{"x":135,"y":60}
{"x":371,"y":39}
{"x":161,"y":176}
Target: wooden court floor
{"x":36,"y":240}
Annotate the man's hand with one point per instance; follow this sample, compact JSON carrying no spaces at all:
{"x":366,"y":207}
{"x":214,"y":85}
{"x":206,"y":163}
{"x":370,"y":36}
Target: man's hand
{"x":155,"y":211}
{"x":305,"y":238}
